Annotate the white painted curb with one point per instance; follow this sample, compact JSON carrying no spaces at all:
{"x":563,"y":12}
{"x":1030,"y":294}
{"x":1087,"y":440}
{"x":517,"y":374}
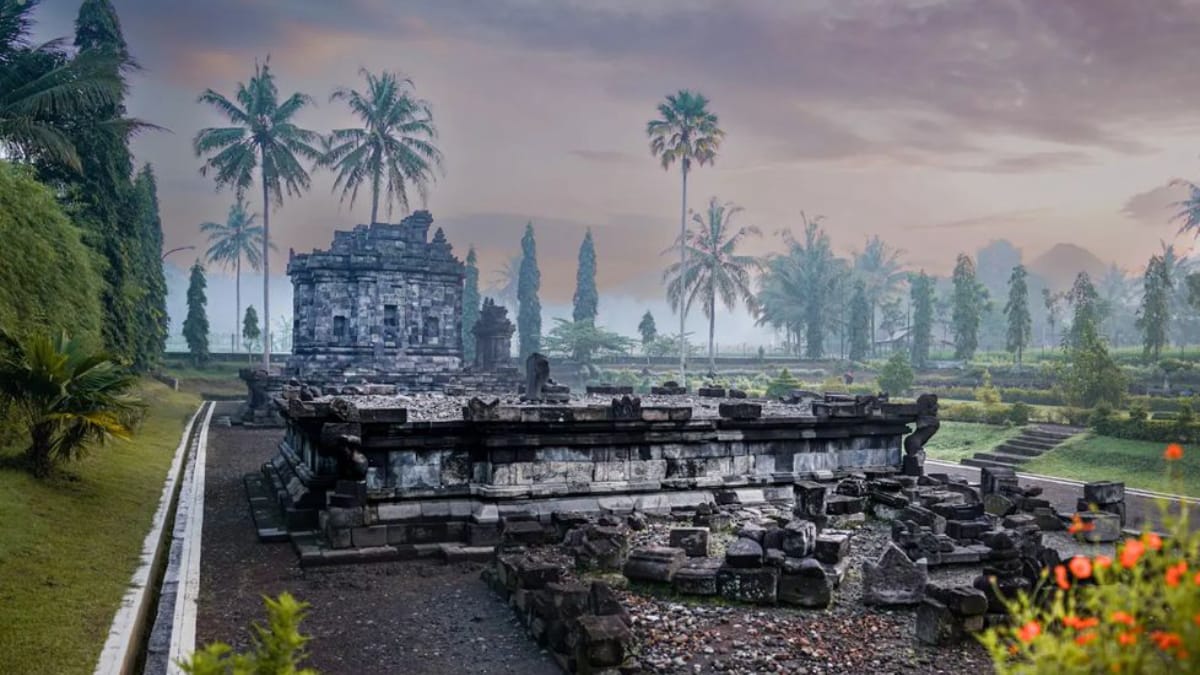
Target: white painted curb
{"x":1075,"y":483}
{"x":120,"y":648}
{"x":183,"y":625}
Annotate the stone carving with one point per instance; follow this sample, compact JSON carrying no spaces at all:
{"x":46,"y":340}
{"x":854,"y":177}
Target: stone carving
{"x":493,"y":337}
{"x":538,"y":385}
{"x":626,"y":408}
{"x":478,"y":411}
{"x":351,"y":462}
{"x":927,"y":425}
{"x":383,"y":299}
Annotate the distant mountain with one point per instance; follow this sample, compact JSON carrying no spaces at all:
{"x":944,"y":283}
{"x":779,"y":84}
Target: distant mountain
{"x":1063,"y":262}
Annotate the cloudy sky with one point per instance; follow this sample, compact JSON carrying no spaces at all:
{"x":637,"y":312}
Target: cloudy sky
{"x":938,"y":124}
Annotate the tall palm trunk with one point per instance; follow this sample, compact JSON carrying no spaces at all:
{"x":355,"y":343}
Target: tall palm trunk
{"x":375,"y":197}
{"x":683,"y":275}
{"x":712,"y":327}
{"x":237,"y":303}
{"x":266,"y":265}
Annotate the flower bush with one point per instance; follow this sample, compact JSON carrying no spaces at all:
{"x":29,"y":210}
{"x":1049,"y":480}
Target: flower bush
{"x":1137,"y":613}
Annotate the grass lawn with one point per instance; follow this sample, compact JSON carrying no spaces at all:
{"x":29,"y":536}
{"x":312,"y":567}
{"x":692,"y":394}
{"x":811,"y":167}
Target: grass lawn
{"x":956,"y":440}
{"x":213,"y":381}
{"x":69,"y":545}
{"x":1139,"y":463}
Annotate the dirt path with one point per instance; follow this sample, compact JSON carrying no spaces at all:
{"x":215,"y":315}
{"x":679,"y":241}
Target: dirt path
{"x":384,"y":618}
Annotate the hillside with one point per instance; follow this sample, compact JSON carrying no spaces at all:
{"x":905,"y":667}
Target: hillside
{"x":1063,"y":262}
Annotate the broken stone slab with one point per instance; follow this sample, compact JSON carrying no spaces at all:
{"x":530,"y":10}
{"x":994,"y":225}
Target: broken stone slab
{"x":832,"y":547}
{"x":967,"y":530}
{"x":1020,"y":521}
{"x":534,"y":574}
{"x":923,"y":516}
{"x":1104,"y":527}
{"x":937,"y":625}
{"x":1047,"y":519}
{"x":798,"y":538}
{"x":600,"y":642}
{"x":892,"y":499}
{"x":654,"y":563}
{"x":740,"y":411}
{"x":841,"y":505}
{"x":991,"y":478}
{"x":1117,"y":509}
{"x":961,"y":600}
{"x":774,"y":557}
{"x":894,"y":579}
{"x":693,"y":540}
{"x":1104,"y":492}
{"x":697,"y":576}
{"x":958,"y":511}
{"x":758,"y":586}
{"x":805,"y":584}
{"x":810,"y":500}
{"x":848,"y":522}
{"x":998,"y":505}
{"x":752,"y":531}
{"x":744,"y":553}
{"x":711,"y":392}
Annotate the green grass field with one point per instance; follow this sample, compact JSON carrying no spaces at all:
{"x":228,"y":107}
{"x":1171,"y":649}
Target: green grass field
{"x":1139,"y":463}
{"x":69,"y":545}
{"x":956,"y":440}
{"x":213,"y":381}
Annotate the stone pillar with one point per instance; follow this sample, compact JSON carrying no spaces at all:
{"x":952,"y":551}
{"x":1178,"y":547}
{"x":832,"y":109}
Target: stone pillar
{"x":493,"y":337}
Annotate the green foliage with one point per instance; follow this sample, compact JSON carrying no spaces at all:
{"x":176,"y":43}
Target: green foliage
{"x":970,"y":302}
{"x":48,"y":280}
{"x":195,"y":326}
{"x":796,"y":287}
{"x":151,"y":332}
{"x":878,"y":267}
{"x":529,"y":311}
{"x":896,"y":377}
{"x":250,"y":329}
{"x":1090,"y":375}
{"x":1134,"y":612}
{"x":1020,"y":324}
{"x":668,"y":345}
{"x":1155,"y":313}
{"x":587,"y":299}
{"x":921,"y":289}
{"x":1020,"y":413}
{"x":581,"y":340}
{"x":860,"y":324}
{"x":67,"y":397}
{"x":986,"y":393}
{"x":782,"y":385}
{"x":277,"y":648}
{"x":230,"y":242}
{"x":647,"y":329}
{"x":393,"y":148}
{"x":1086,"y":320}
{"x":470,"y":311}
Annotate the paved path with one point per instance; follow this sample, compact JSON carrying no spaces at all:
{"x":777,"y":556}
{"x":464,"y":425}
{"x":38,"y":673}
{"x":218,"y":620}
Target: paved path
{"x":1140,"y":505}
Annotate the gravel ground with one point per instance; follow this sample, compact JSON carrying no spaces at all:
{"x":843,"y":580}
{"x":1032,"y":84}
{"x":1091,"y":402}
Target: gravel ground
{"x":682,"y":635}
{"x":383,"y":618}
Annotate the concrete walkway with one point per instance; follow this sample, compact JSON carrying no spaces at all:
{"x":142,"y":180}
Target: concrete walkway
{"x":1140,"y":505}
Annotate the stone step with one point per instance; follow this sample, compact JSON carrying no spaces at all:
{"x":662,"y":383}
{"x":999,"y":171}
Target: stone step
{"x":984,"y":463}
{"x":1059,"y":434}
{"x":1002,"y":458}
{"x":1010,"y":448}
{"x":1031,"y":444}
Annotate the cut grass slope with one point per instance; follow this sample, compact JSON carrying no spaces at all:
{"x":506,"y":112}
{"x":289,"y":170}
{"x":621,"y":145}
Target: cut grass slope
{"x":1139,"y":463}
{"x":956,"y":440}
{"x":69,"y":545}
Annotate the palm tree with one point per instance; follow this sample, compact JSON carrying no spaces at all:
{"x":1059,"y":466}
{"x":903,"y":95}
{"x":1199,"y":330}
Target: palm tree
{"x":717,"y":270}
{"x":394,"y":147}
{"x":503,"y":288}
{"x":238,"y":237}
{"x":797,"y":286}
{"x":878,"y":266}
{"x":264,"y":137}
{"x":69,"y":398}
{"x":687,"y":132}
{"x":41,"y":90}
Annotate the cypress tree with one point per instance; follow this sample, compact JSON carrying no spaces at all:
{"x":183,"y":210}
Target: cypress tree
{"x":969,"y":299}
{"x":1155,"y":313}
{"x":195,"y":326}
{"x":647,"y":329}
{"x":587,"y":299}
{"x":470,"y":309}
{"x":250,"y":330}
{"x":151,"y":286}
{"x":921,"y":333}
{"x":860,"y":324}
{"x":1020,"y":324}
{"x":529,"y":310}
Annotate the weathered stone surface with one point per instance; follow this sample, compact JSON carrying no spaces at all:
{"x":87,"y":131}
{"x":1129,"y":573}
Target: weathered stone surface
{"x":601,"y":642}
{"x":693,"y":540}
{"x":810,"y":500}
{"x":744,"y":553}
{"x":805,"y":584}
{"x":1105,"y":527}
{"x":832,"y":547}
{"x":999,"y":505}
{"x":654,"y":563}
{"x":894,"y":579}
{"x":961,"y":600}
{"x":937,"y":625}
{"x":1104,"y":492}
{"x":757,"y":586}
{"x":697,"y":576}
{"x":992,"y":478}
{"x":840,"y":505}
{"x":534,"y":574}
{"x":740,"y":411}
{"x":967,"y":530}
{"x":798,"y":538}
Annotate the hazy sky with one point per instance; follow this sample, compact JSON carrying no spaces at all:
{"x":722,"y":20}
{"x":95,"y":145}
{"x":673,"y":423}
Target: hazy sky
{"x":940,"y":125}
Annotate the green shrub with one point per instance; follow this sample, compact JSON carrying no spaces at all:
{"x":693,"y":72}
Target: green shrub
{"x":1019,"y":413}
{"x":896,"y":377}
{"x":986,"y":393}
{"x":782,"y":385}
{"x":277,"y":648}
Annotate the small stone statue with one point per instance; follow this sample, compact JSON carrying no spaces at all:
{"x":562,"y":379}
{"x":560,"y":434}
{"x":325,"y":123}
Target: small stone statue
{"x":626,"y":408}
{"x":537,"y":375}
{"x":351,"y":462}
{"x":927,"y":425}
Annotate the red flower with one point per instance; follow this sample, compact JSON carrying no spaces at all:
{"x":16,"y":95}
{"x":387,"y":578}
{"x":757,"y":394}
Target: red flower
{"x":1132,"y":552}
{"x":1084,"y":638}
{"x":1029,"y":631}
{"x":1060,"y":577}
{"x":1166,"y":641}
{"x":1175,"y":573}
{"x":1077,"y":525}
{"x":1173,"y":452}
{"x":1127,"y":638}
{"x":1081,"y":567}
{"x":1122,"y":617}
{"x":1103,"y":561}
{"x":1152,"y":541}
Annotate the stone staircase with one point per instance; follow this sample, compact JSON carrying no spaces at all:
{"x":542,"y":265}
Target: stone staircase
{"x":1031,"y":442}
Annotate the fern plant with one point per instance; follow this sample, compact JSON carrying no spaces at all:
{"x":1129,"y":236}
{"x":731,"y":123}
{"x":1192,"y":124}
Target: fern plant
{"x":277,"y":649}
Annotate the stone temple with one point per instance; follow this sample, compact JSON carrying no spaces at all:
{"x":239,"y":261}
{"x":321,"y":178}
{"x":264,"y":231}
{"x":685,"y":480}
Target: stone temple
{"x":382,"y":304}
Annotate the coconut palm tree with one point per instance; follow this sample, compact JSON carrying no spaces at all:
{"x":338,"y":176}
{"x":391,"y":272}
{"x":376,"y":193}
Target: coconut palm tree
{"x":263,"y":136}
{"x":503,"y":288}
{"x":393,"y":148}
{"x":68,"y":397}
{"x":685,"y":132}
{"x":238,"y":237}
{"x":716,"y":269}
{"x":42,"y":89}
{"x":878,"y":267}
